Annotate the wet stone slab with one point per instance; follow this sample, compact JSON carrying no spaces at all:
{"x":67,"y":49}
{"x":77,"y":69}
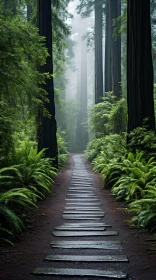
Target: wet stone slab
{"x":82,"y":199}
{"x":83,"y":203}
{"x":78,"y":183}
{"x":84,"y":176}
{"x":80,"y":191}
{"x":85,"y":189}
{"x":113,"y":274}
{"x":88,"y":195}
{"x":76,"y":258}
{"x":81,"y":182}
{"x":106,"y":245}
{"x":79,"y":228}
{"x":83,"y":212}
{"x":84,"y":224}
{"x":80,"y":174}
{"x":83,"y":233}
{"x":83,"y":208}
{"x":80,"y":217}
{"x":81,"y":187}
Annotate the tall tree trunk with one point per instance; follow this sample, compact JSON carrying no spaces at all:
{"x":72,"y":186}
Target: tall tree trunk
{"x":98,"y":52}
{"x":47,"y":130}
{"x":83,"y":96}
{"x":115,"y":12}
{"x":108,"y":64}
{"x":29,"y":12}
{"x":82,"y":131}
{"x":139,"y":65}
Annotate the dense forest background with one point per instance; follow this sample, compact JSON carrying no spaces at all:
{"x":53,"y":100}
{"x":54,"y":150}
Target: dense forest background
{"x":77,"y":76}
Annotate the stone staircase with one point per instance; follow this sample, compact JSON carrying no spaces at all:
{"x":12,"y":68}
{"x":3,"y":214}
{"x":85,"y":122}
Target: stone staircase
{"x":84,"y":245}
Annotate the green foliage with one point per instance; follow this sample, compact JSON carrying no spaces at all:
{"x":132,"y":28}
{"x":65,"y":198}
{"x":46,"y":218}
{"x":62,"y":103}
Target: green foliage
{"x":62,"y":149}
{"x":117,"y":119}
{"x":102,"y":150}
{"x":109,"y":116}
{"x":22,"y":185}
{"x":93,"y":148}
{"x":22,"y":52}
{"x":99,"y":115}
{"x":67,"y":121}
{"x":144,"y":209}
{"x":34,"y":170}
{"x":26,"y":176}
{"x":139,"y":174}
{"x":130,"y":176}
{"x":6,"y":130}
{"x":12,"y":204}
{"x":85,"y":8}
{"x":144,"y":140}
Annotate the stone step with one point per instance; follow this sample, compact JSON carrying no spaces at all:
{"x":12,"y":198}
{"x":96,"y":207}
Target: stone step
{"x":106,"y":245}
{"x":113,"y":274}
{"x":78,"y":228}
{"x":88,"y":208}
{"x":77,"y":191}
{"x":62,"y":233}
{"x":79,"y":212}
{"x":85,"y":199}
{"x":84,"y":184}
{"x":77,"y":195}
{"x":80,"y":217}
{"x":84,"y":224}
{"x":83,"y":203}
{"x":95,"y":258}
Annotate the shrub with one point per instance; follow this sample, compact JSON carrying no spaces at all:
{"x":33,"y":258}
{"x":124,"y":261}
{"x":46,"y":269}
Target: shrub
{"x":143,"y":140}
{"x":144,"y":209}
{"x":12,"y":204}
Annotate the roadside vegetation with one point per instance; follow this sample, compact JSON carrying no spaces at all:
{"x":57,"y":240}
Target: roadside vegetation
{"x":129,"y":171}
{"x":26,"y":173}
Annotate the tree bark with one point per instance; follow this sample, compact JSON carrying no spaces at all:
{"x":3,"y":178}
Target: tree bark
{"x":139,"y":65}
{"x":98,"y":52}
{"x":108,"y":64}
{"x":82,"y":130}
{"x":115,"y":12}
{"x":47,"y":130}
{"x":29,"y":12}
{"x":83,"y":95}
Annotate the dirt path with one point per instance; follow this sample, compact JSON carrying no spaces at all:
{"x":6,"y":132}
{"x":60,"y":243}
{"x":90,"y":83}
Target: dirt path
{"x":34,"y":245}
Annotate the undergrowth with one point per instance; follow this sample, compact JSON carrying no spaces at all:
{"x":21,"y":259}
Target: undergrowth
{"x":129,"y":171}
{"x":28,"y":179}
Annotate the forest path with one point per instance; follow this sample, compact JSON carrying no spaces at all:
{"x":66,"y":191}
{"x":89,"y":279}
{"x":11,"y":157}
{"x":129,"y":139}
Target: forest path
{"x":79,"y":231}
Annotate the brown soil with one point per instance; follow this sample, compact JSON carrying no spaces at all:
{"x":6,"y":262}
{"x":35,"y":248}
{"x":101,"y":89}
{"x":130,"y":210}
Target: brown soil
{"x":17,"y":263}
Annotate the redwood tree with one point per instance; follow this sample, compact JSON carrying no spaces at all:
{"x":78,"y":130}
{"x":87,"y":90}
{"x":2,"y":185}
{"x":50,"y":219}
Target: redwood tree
{"x":85,"y":7}
{"x":82,"y":130}
{"x":115,"y":13}
{"x":47,"y":129}
{"x":139,"y":65}
{"x":113,"y":48}
{"x":98,"y":51}
{"x":108,"y":64}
